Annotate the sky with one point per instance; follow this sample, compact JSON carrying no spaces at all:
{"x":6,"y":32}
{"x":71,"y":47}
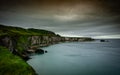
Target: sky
{"x":74,"y":18}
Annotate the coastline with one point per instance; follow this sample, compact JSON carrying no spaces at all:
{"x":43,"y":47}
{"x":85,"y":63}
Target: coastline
{"x":21,"y":42}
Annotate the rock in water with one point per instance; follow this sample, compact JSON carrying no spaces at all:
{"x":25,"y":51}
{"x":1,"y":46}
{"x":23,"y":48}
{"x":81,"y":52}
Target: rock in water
{"x":102,"y":40}
{"x":46,"y":51}
{"x":40,"y":51}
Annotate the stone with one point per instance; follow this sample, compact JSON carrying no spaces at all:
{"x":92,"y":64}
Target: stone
{"x":46,"y":51}
{"x":40,"y":51}
{"x":102,"y":40}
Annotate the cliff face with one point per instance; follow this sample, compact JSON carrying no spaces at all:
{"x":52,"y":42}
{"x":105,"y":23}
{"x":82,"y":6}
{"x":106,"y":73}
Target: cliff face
{"x":20,"y":41}
{"x":8,"y":42}
{"x":23,"y":43}
{"x":49,"y":40}
{"x":44,"y":40}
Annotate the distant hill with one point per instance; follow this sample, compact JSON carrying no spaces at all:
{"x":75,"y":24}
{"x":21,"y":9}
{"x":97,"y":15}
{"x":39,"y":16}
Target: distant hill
{"x":10,"y":30}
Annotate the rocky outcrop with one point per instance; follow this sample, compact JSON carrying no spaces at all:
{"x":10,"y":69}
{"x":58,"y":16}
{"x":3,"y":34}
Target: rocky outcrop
{"x":22,"y":45}
{"x":42,"y":41}
{"x":15,"y":46}
{"x":32,"y":42}
{"x":8,"y":42}
{"x":21,"y":41}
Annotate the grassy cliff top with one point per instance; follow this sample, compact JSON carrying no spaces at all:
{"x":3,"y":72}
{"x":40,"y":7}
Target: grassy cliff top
{"x":13,"y":65}
{"x":10,"y":30}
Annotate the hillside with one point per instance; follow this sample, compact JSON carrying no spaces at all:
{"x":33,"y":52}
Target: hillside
{"x":11,"y":31}
{"x":14,"y":42}
{"x":13,"y":65}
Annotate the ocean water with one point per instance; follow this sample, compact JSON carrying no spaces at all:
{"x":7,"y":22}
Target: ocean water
{"x":79,"y":58}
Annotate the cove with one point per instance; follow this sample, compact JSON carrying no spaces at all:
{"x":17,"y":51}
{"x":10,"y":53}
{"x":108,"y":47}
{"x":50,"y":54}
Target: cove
{"x":79,"y":58}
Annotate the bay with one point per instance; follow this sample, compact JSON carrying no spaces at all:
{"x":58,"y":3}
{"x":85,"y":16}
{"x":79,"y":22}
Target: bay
{"x":79,"y":58}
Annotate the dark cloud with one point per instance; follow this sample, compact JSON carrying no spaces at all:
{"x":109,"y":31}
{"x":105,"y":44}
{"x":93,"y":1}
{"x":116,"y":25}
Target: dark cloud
{"x":67,"y":17}
{"x":109,"y":6}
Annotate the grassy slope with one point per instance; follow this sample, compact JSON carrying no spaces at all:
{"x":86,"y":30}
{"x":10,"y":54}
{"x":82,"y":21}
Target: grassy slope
{"x":13,"y":65}
{"x":16,"y":31}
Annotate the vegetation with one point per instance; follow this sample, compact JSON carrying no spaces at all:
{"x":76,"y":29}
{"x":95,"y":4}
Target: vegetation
{"x":40,"y":32}
{"x":13,"y":65}
{"x":20,"y":35}
{"x":16,"y":31}
{"x":22,"y":43}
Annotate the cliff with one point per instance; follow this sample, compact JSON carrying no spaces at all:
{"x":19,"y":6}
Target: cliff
{"x":21,"y":41}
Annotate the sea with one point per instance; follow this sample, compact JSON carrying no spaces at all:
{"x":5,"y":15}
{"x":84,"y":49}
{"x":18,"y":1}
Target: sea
{"x":79,"y":58}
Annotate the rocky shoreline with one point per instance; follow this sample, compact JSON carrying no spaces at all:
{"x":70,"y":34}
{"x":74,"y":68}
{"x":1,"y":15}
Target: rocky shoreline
{"x":32,"y":43}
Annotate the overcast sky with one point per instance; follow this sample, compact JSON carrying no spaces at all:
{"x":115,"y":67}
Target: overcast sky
{"x":88,"y":18}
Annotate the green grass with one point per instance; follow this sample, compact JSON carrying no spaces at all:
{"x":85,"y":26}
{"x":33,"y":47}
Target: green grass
{"x":18,"y":31}
{"x":22,"y":43}
{"x":13,"y":65}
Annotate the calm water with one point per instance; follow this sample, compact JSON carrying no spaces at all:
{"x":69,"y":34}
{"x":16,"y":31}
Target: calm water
{"x":79,"y":58}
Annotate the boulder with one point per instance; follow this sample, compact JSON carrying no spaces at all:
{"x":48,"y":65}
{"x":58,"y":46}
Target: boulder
{"x":40,"y":51}
{"x":102,"y":40}
{"x":46,"y":51}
